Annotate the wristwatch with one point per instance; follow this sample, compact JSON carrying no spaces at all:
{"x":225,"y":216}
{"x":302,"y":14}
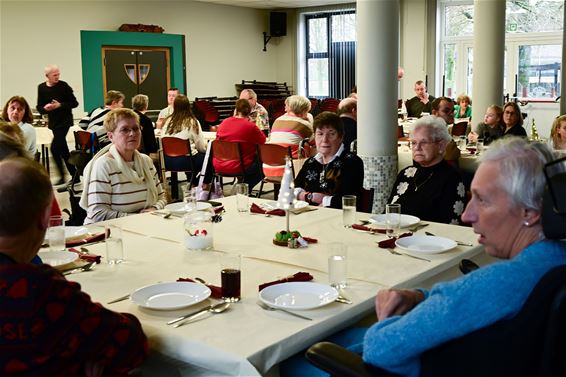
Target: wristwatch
{"x":309,"y":197}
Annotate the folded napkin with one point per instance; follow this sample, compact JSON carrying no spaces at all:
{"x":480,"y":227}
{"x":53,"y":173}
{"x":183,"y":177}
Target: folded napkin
{"x":390,"y":243}
{"x":87,"y":257}
{"x":218,"y":209}
{"x":83,"y":241}
{"x":310,"y":239}
{"x":216,"y":291}
{"x":299,"y":276}
{"x":275,"y":212}
{"x":368,"y":229}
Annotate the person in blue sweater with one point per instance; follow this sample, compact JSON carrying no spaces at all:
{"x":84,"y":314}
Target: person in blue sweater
{"x":505,"y":211}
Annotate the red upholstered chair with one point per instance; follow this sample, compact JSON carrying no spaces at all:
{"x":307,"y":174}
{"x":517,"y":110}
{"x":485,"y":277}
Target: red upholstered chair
{"x":329,"y":104}
{"x":459,"y":128}
{"x":176,"y":148}
{"x":228,"y":151}
{"x":208,"y":114}
{"x":274,"y":156}
{"x":314,"y":106}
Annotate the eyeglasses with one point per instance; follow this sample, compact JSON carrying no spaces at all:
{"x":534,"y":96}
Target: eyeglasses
{"x":418,"y":144}
{"x":128,"y":130}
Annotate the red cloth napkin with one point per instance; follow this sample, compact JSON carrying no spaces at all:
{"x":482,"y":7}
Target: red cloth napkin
{"x":275,"y":212}
{"x":218,"y":209}
{"x":87,"y":257}
{"x":310,"y":239}
{"x":84,"y":241}
{"x":299,"y":276}
{"x":367,"y":228}
{"x":390,"y":243}
{"x":216,"y":292}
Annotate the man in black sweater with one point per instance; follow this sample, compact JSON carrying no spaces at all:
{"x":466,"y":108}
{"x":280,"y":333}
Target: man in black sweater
{"x":56,"y":99}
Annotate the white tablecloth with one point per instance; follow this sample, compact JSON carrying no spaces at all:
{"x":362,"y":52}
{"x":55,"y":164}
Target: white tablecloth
{"x":247,"y":340}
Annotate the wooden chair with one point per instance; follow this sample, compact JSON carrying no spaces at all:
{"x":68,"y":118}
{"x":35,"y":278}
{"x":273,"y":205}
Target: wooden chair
{"x":228,"y":151}
{"x":273,"y":155}
{"x":175,"y":148}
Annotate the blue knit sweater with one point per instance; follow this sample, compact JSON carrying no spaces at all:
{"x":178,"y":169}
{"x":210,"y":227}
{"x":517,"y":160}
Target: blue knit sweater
{"x":453,"y":309}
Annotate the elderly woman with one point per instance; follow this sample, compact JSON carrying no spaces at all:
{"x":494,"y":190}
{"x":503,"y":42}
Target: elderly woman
{"x":17,"y":111}
{"x":558,"y":134}
{"x":430,"y":189}
{"x":120,"y":180}
{"x":513,"y":120}
{"x":463,"y":109}
{"x":294,"y":125}
{"x":332,"y":172}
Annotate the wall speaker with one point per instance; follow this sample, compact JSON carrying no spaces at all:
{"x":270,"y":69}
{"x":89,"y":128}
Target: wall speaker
{"x":277,"y":24}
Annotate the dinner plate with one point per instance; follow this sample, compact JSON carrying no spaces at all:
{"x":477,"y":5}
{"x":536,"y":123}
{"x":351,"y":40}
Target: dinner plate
{"x":298,"y":295}
{"x":406,"y":220}
{"x":298,"y":204}
{"x":170,"y":296}
{"x":425,"y":244}
{"x":72,"y":232}
{"x":180,"y":207}
{"x":58,"y":258}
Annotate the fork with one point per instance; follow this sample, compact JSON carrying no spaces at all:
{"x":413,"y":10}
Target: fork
{"x":392,"y":251}
{"x":269,"y":308}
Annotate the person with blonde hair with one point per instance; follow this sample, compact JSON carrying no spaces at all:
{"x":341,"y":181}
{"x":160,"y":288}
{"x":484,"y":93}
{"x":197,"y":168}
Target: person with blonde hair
{"x":94,"y":121}
{"x":558,"y":134}
{"x":18,"y":111}
{"x":491,"y":128}
{"x":119,"y":180}
{"x":295,"y":125}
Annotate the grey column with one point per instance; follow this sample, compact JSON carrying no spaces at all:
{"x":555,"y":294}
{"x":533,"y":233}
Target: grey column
{"x":562,"y":73}
{"x":376,"y":63}
{"x":489,"y":42}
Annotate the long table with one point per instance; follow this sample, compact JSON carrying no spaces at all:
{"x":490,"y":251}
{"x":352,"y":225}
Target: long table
{"x":247,"y":340}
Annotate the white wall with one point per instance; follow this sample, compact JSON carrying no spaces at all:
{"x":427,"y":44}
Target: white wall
{"x":223,"y":43}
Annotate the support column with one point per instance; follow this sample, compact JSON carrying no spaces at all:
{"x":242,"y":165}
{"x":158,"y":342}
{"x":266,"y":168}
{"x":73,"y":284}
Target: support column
{"x":489,"y":39}
{"x":376,"y":63}
{"x":562,"y":73}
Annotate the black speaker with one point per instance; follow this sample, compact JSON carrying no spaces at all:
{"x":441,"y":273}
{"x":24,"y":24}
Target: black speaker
{"x":277,"y":24}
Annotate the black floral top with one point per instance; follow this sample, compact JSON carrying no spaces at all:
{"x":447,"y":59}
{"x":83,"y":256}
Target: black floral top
{"x":342,"y":176}
{"x":434,"y":193}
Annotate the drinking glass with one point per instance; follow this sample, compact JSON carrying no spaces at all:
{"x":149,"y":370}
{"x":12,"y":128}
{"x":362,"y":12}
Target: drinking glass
{"x":393,"y":219}
{"x":462,"y":143}
{"x":337,"y":265}
{"x":56,"y":233}
{"x":114,"y":245}
{"x":230,"y":275}
{"x":190,"y":198}
{"x":479,"y":145}
{"x":348,"y":210}
{"x":242,"y":193}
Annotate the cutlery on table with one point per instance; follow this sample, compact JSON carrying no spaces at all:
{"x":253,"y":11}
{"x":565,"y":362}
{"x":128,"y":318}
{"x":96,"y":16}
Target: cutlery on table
{"x":269,"y":308}
{"x":418,"y":227}
{"x":394,"y":252}
{"x":83,"y":268}
{"x":343,"y":300}
{"x":458,"y":242}
{"x":215,"y":309}
{"x":122,"y":298}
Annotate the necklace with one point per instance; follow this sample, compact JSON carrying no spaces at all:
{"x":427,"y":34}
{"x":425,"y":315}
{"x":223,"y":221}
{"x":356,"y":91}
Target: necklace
{"x":417,"y":185}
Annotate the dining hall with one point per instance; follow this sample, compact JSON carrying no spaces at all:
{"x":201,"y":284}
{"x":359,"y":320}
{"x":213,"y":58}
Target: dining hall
{"x":187,"y":192}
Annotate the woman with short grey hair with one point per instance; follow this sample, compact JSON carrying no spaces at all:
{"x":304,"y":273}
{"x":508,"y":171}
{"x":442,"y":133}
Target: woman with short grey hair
{"x":430,"y":189}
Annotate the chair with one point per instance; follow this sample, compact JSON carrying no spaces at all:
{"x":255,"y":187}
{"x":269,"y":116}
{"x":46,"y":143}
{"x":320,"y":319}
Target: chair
{"x":329,"y":104}
{"x":314,"y":106}
{"x":459,"y":128}
{"x":365,"y":200}
{"x":228,"y":151}
{"x":273,"y":155}
{"x":208,"y":114}
{"x":177,"y":151}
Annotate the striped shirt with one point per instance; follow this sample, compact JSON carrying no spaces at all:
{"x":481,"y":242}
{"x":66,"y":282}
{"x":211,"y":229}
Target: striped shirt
{"x":289,"y":129}
{"x":111,"y":195}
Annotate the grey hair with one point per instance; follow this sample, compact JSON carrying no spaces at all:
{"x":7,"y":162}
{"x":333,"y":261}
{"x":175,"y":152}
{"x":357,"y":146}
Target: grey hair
{"x":298,"y":104}
{"x":140,"y":102}
{"x":435,"y":125}
{"x":251,"y":92}
{"x":521,"y":169}
{"x":49,"y":68}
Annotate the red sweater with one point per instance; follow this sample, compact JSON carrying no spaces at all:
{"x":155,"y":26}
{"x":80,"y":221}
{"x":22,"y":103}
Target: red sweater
{"x":243,"y":131}
{"x":48,"y":327}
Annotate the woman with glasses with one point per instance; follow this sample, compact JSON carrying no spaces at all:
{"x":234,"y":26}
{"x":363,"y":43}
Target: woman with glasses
{"x":430,"y":189}
{"x":513,"y":120}
{"x":119,"y":180}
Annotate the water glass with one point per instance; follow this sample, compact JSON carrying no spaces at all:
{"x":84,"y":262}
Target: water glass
{"x":190,"y":198}
{"x":114,"y":245}
{"x":56,"y":233}
{"x":242,"y":193}
{"x":479,"y":145}
{"x":393,"y":219}
{"x":462,"y":143}
{"x":348,"y":210}
{"x":338,"y":265}
{"x":230,"y":275}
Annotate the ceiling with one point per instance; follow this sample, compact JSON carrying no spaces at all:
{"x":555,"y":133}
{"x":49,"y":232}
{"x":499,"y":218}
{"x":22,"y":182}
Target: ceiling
{"x":276,"y":4}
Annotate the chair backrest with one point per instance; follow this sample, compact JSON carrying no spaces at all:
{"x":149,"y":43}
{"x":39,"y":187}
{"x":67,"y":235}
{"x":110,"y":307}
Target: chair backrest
{"x":208,"y":112}
{"x":400,"y":132}
{"x":175,"y":147}
{"x":365,"y":200}
{"x":227,"y":151}
{"x":86,"y":141}
{"x":273,"y":154}
{"x":329,"y":104}
{"x":459,"y":128}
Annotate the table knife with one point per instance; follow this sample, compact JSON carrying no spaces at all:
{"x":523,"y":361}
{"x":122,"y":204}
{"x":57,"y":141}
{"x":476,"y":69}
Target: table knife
{"x":187,"y":316}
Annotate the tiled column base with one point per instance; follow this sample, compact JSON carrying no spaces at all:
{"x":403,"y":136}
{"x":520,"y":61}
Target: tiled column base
{"x":380,"y":173}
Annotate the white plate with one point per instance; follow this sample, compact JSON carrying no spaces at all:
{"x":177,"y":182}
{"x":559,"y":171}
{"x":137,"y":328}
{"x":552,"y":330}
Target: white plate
{"x":406,"y":220}
{"x":75,"y":231}
{"x":180,"y":207}
{"x":170,"y":296}
{"x":298,"y":204}
{"x":58,"y":258}
{"x":298,"y":295}
{"x":426,"y":244}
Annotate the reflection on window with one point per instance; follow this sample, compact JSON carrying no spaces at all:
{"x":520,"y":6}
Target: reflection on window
{"x":458,"y":20}
{"x":344,"y":28}
{"x":539,"y":71}
{"x":534,"y":16}
{"x":318,"y":77}
{"x":450,"y":60}
{"x":318,"y":38}
{"x":470,"y":70}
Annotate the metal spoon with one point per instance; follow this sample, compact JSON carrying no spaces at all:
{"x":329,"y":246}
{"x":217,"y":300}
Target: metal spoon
{"x":267,"y":307}
{"x":86,"y":267}
{"x":215,"y":309}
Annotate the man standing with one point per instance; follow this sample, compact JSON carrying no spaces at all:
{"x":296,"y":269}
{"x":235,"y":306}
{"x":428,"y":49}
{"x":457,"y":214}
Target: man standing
{"x":56,"y":99}
{"x":171,"y":94}
{"x":348,"y":111}
{"x":419,"y":103}
{"x":443,"y":107}
{"x":49,"y":326}
{"x":257,"y":110}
